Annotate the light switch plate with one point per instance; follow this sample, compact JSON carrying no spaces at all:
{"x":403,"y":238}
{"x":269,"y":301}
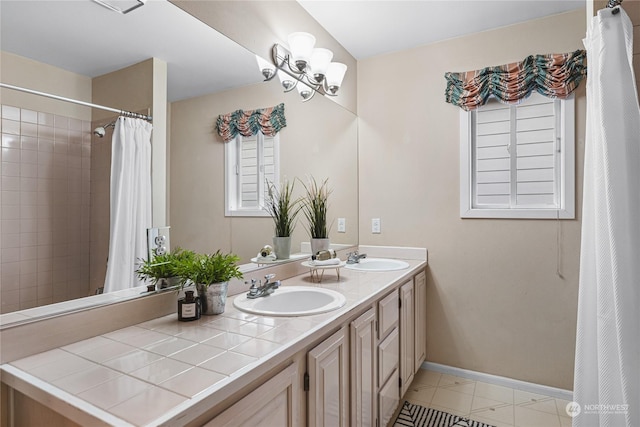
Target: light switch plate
{"x":375,"y":226}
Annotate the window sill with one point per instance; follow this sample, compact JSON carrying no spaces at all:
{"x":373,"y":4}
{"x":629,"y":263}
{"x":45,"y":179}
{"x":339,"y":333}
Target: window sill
{"x":247,"y":213}
{"x":518,"y":213}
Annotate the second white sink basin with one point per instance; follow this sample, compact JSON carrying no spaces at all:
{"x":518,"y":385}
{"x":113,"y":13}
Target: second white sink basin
{"x":292,"y":301}
{"x":378,"y":264}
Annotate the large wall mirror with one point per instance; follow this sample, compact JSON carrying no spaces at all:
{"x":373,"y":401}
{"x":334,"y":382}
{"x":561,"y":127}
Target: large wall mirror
{"x":40,"y":271}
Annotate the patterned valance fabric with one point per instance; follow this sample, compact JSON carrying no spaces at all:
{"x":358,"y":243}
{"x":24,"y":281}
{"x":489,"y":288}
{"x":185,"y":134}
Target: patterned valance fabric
{"x":269,"y":121}
{"x":553,"y":75}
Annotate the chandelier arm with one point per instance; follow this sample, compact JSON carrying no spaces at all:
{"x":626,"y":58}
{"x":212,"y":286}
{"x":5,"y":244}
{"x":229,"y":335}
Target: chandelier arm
{"x":282,"y":61}
{"x":325,"y":89}
{"x":277,"y":60}
{"x":313,"y":92}
{"x":292,"y":87}
{"x":268,"y":79}
{"x":299,"y":78}
{"x":309,"y":82}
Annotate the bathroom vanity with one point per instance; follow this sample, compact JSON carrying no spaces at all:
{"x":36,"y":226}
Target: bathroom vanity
{"x":346,"y":367}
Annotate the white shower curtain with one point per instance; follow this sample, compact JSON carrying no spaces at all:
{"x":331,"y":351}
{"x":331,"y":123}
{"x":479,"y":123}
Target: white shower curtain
{"x":130,"y":201}
{"x":607,"y":368}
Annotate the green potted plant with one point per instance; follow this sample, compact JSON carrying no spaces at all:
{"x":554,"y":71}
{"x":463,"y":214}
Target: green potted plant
{"x":314,"y":207}
{"x":283,"y":209}
{"x":160,"y":269}
{"x":211,"y":274}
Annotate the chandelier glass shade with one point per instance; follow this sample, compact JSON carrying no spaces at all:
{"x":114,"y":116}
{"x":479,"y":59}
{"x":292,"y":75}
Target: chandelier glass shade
{"x":304,"y":67}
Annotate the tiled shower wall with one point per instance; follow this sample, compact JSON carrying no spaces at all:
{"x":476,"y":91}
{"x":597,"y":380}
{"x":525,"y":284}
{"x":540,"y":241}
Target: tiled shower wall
{"x":44,"y":209}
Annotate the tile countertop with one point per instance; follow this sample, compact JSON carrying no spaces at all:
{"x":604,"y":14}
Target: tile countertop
{"x":166,"y":372}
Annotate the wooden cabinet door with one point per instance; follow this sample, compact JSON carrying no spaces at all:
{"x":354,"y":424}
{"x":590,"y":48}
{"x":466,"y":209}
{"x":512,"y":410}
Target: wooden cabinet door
{"x":328,"y":365}
{"x":407,"y":336}
{"x":274,"y":403}
{"x":388,"y":314}
{"x":364,"y":388}
{"x":389,"y":398}
{"x":420,"y":297}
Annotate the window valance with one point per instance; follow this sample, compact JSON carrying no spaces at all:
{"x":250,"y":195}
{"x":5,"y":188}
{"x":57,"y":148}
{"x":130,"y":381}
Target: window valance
{"x":553,"y":75}
{"x":269,"y":121}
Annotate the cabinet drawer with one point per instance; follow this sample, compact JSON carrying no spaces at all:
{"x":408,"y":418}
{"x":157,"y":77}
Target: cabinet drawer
{"x":388,"y":314}
{"x":388,"y":352}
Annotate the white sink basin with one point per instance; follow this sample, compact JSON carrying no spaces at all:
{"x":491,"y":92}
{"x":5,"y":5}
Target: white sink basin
{"x":292,"y":301}
{"x":378,"y":264}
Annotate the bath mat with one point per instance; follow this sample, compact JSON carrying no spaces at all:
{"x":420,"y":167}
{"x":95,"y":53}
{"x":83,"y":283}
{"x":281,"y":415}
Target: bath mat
{"x":418,"y":416}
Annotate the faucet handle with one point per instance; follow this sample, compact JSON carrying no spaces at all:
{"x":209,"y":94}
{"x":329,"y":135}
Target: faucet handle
{"x":253,"y":290}
{"x":268,"y":277}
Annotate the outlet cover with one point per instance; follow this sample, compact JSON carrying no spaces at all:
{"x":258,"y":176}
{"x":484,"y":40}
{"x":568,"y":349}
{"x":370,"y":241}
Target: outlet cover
{"x":342,"y":225}
{"x":158,"y":241}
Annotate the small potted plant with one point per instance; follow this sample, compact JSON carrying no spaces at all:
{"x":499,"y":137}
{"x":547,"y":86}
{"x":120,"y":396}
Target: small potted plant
{"x":283,"y":209}
{"x":160,"y":269}
{"x":211,"y":274}
{"x":314,"y":206}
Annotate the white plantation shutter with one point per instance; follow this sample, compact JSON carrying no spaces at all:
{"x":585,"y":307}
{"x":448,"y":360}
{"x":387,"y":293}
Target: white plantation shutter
{"x":517,"y":160}
{"x":269,"y":164}
{"x":537,"y":154}
{"x":250,"y":162}
{"x":492,"y":158}
{"x":248,"y":171}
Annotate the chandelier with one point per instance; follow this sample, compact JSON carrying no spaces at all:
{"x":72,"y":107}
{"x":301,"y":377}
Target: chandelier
{"x":304,"y":67}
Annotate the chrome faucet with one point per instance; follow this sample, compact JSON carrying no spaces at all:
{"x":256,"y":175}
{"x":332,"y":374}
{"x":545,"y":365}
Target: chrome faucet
{"x":354,"y":257}
{"x":257,"y":291}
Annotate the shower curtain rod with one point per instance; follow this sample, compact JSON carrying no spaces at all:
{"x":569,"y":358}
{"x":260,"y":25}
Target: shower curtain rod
{"x":75,"y":101}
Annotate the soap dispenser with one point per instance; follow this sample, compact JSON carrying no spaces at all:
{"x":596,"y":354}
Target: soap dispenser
{"x":188,"y":307}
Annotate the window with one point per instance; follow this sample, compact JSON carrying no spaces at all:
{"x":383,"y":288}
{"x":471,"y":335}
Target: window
{"x":517,"y":161}
{"x":249,"y":162}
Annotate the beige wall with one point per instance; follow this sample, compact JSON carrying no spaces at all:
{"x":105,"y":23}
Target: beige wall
{"x":20,"y":71}
{"x":496,"y":304}
{"x":257,"y":25}
{"x":320,"y":139}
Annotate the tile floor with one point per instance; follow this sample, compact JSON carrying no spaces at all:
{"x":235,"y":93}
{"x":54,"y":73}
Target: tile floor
{"x":488,"y":403}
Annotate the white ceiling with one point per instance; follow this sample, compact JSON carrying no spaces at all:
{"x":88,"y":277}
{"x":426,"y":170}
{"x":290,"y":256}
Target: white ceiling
{"x":91,"y":40}
{"x":373,"y":27}
{"x":88,"y":39}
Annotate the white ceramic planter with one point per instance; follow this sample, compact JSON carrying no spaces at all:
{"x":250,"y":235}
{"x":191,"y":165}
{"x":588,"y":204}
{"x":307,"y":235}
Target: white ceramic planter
{"x":319,"y":245}
{"x":282,"y":247}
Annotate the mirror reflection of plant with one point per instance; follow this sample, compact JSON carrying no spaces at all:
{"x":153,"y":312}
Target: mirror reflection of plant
{"x":314,"y":207}
{"x":162,"y":266}
{"x":206,"y":269}
{"x":282,"y":207}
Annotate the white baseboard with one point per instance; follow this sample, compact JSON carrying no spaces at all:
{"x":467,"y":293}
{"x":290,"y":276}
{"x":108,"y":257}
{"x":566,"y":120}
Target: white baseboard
{"x":557,"y":393}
